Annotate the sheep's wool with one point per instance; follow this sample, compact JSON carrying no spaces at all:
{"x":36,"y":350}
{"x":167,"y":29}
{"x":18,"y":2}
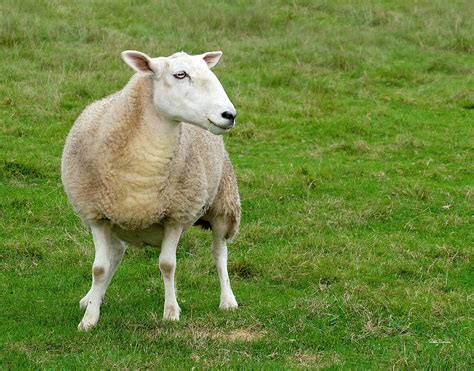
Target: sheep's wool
{"x":119,"y":164}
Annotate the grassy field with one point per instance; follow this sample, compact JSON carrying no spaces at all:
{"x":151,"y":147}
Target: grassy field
{"x":354,"y":152}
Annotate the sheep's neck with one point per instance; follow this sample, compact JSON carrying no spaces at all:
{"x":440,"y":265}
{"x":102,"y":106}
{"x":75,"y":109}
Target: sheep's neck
{"x":150,"y":153}
{"x":161,"y":134}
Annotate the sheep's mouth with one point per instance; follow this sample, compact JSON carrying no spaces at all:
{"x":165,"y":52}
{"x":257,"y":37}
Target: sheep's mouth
{"x":219,"y":126}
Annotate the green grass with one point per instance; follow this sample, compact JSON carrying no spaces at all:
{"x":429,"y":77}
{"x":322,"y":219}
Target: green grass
{"x":354,"y":153}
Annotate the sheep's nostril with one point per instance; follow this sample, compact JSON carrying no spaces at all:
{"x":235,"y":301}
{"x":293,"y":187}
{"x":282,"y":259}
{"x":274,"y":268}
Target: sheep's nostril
{"x":228,"y":115}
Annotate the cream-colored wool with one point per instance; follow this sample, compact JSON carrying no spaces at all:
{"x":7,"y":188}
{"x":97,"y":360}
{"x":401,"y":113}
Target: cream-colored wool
{"x":117,"y":166}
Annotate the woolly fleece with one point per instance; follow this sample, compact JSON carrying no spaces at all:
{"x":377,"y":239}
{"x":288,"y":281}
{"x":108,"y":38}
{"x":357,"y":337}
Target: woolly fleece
{"x":120,"y":164}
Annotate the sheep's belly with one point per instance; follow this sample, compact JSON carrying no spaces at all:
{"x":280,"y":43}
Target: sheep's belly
{"x":151,"y":235}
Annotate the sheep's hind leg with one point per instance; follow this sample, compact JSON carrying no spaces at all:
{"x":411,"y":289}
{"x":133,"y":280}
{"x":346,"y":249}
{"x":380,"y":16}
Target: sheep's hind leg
{"x":219,"y":251}
{"x":171,"y":236}
{"x":108,"y":253}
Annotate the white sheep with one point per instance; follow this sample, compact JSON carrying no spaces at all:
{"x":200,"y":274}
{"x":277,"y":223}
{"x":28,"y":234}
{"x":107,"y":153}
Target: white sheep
{"x":146,"y":163}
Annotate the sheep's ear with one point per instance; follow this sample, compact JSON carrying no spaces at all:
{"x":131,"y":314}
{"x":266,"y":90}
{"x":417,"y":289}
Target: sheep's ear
{"x":139,"y":61}
{"x":211,"y":58}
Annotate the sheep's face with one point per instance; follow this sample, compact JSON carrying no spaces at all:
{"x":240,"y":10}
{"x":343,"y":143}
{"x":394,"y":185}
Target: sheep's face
{"x":185,"y":89}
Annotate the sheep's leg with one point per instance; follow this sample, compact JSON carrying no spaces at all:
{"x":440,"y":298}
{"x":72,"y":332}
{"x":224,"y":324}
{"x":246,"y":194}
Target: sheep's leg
{"x":116,"y":254}
{"x":219,"y":251}
{"x":102,"y":271}
{"x":171,"y":236}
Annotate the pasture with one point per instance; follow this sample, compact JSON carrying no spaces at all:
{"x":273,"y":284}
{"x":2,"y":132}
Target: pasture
{"x":354,"y":154}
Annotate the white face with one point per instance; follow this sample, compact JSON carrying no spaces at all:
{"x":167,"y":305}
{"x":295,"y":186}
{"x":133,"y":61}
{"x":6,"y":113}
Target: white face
{"x":185,"y":89}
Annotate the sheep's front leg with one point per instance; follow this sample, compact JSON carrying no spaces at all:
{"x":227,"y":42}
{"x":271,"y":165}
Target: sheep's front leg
{"x":116,"y":254}
{"x":102,"y":271}
{"x":171,"y":236}
{"x":219,"y":251}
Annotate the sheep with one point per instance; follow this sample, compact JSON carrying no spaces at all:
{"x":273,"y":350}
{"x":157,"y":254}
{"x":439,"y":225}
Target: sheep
{"x":143,"y":165}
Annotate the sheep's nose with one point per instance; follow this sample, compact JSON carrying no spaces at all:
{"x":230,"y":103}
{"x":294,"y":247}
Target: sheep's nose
{"x":229,"y":115}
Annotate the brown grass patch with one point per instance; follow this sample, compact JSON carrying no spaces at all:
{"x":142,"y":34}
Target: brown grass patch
{"x":305,"y":359}
{"x":244,"y":335}
{"x":241,"y":334}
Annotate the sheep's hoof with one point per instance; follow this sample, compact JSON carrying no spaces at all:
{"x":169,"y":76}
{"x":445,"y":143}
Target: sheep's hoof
{"x":228,"y":304}
{"x":171,"y":313}
{"x":84,"y":326}
{"x":90,"y":319}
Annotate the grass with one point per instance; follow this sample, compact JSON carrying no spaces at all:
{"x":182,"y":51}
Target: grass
{"x":354,"y":155}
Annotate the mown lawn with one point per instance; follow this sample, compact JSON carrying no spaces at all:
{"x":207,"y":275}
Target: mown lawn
{"x":354,"y":152}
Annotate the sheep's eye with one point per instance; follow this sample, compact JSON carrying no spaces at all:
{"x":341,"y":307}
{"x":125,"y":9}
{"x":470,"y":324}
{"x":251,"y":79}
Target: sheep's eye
{"x":180,"y":75}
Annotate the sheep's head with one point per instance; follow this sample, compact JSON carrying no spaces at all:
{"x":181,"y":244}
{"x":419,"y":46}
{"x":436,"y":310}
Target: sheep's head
{"x":185,"y":89}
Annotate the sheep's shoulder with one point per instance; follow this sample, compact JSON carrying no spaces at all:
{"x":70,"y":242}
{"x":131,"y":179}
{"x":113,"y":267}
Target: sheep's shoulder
{"x":196,"y":175}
